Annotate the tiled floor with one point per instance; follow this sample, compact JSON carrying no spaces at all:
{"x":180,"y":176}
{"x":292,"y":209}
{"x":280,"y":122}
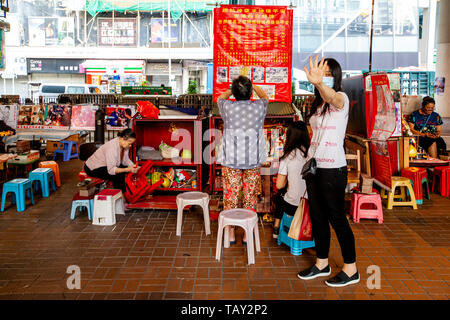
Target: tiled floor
{"x":140,"y":257}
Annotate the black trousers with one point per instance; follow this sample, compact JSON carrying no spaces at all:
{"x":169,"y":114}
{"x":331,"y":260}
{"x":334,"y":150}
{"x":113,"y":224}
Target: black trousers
{"x":281,"y":206}
{"x":326,"y":193}
{"x":118,"y":179}
{"x":426,"y":142}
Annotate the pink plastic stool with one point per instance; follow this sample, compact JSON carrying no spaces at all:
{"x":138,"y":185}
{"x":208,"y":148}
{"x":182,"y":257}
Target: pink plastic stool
{"x":359,"y":199}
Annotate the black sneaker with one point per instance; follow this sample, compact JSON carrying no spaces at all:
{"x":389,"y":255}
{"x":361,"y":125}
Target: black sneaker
{"x":276,"y":232}
{"x":314,"y":272}
{"x":342,"y":280}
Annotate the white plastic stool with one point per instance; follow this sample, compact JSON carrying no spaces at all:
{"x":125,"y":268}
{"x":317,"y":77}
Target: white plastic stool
{"x":244,"y":218}
{"x":193,"y":198}
{"x":107,"y":203}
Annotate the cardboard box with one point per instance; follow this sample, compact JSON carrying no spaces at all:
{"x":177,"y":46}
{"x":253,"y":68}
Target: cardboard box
{"x":88,"y":192}
{"x":366,"y":183}
{"x":23,"y":146}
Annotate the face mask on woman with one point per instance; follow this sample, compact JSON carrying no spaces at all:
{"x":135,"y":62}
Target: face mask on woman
{"x":329,"y":81}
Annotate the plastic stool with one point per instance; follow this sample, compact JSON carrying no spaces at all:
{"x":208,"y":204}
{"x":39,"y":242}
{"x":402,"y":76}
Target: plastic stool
{"x":80,"y":202}
{"x":42,"y":176}
{"x":443,"y":173}
{"x":107,"y":203}
{"x":55,"y":168}
{"x":193,"y":198}
{"x":359,"y":199}
{"x":417,"y":177}
{"x":404,"y":184}
{"x":244,"y":218}
{"x":66,"y":150}
{"x":296,"y":245}
{"x":19,"y":187}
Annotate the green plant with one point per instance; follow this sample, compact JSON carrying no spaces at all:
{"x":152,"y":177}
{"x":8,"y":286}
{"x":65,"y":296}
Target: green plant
{"x":193,"y":87}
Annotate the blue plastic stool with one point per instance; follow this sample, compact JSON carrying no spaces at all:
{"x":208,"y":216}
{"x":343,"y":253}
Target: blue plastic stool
{"x":296,"y":245}
{"x":43,"y":176}
{"x":82,"y":202}
{"x":66,"y":150}
{"x":18,"y":187}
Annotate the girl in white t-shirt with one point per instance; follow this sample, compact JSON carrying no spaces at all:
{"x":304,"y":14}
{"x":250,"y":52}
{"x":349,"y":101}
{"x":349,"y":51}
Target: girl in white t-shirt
{"x":326,"y":190}
{"x":290,"y":183}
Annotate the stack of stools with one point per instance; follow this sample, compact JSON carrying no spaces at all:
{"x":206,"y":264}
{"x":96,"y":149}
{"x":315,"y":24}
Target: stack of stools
{"x":82,"y":202}
{"x":361,"y":199}
{"x":403,"y":184}
{"x":43,"y":176}
{"x":19,"y":188}
{"x":443,"y":173}
{"x":244,"y":218}
{"x":55,"y":168}
{"x":107,"y":203}
{"x":296,"y":245}
{"x":419,"y":179}
{"x":65,"y":148}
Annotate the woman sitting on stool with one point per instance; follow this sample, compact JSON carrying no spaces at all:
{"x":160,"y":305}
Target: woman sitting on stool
{"x":427,"y":124}
{"x":111,"y":161}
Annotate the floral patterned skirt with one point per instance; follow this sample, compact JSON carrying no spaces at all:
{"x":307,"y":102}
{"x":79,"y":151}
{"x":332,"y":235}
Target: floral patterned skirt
{"x":236,"y":180}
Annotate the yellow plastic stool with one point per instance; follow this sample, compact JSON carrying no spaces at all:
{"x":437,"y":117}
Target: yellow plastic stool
{"x":403,"y":184}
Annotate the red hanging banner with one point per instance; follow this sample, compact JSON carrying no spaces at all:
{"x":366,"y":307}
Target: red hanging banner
{"x":255,"y":41}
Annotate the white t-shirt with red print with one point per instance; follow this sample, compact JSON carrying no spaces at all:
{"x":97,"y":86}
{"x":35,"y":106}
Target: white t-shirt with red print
{"x":327,"y":143}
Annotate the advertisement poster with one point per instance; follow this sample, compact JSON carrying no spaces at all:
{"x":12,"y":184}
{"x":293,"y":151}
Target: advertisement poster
{"x":160,"y":31}
{"x":122,"y":33}
{"x":58,"y":116}
{"x":255,"y":41}
{"x":9,"y":114}
{"x":83,"y":117}
{"x":51,"y":31}
{"x":119,"y":117}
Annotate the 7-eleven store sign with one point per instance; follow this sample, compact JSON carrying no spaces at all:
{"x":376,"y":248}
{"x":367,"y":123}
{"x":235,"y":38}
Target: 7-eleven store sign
{"x":114,"y":67}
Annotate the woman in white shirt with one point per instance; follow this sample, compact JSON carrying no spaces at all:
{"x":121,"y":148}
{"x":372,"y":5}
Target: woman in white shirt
{"x":289,"y":175}
{"x":326,"y":190}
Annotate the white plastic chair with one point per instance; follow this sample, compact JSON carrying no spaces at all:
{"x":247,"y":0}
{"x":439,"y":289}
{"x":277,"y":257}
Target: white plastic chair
{"x":107,"y":203}
{"x":244,"y":218}
{"x":193,"y":198}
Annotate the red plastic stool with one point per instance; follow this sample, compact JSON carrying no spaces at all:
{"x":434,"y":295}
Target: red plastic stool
{"x":418,"y":176}
{"x":443,"y":173}
{"x":360,"y":199}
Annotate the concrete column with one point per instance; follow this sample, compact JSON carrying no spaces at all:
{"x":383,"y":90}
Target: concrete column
{"x":442,"y":58}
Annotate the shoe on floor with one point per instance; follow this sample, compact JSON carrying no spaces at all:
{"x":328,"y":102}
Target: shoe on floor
{"x":276,"y":232}
{"x":342,"y":280}
{"x":314,"y":272}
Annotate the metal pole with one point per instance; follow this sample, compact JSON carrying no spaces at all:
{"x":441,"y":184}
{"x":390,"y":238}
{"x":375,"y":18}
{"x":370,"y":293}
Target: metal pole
{"x":371,"y":37}
{"x":169,"y":44}
{"x":321,"y":24}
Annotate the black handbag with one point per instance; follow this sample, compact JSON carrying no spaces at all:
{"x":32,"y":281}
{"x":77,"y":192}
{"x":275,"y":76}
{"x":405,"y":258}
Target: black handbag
{"x":309,"y":169}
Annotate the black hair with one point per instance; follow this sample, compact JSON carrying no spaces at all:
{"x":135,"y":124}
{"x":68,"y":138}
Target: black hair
{"x":336,"y":72}
{"x":128,"y":111}
{"x":127,"y":134}
{"x":242,"y":88}
{"x":426,"y":100}
{"x":297,"y":137}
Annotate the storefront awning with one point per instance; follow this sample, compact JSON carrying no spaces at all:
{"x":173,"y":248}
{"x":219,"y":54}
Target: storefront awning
{"x":176,"y":8}
{"x":114,"y":66}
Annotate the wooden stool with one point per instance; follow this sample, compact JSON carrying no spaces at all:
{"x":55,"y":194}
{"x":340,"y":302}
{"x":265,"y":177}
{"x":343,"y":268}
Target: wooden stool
{"x":404,"y":184}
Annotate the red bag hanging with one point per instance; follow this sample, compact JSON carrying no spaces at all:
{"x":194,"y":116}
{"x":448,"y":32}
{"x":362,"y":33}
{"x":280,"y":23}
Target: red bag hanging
{"x":147,"y":110}
{"x":306,"y":227}
{"x":301,"y":228}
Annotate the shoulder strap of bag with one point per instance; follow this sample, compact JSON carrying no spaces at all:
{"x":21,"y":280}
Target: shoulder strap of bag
{"x":426,"y":122}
